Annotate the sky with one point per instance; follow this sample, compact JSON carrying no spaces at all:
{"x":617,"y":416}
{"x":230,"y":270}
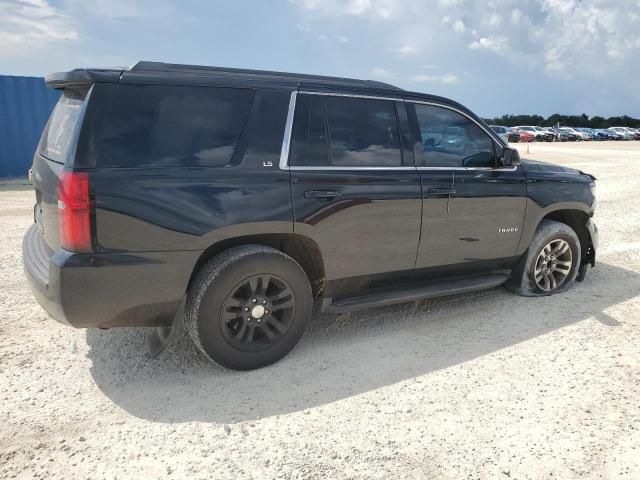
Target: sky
{"x":495,"y":56}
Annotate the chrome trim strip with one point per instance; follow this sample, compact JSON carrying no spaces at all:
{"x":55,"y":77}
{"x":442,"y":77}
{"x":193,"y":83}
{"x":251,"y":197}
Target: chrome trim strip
{"x":371,"y":97}
{"x":308,"y":168}
{"x":488,"y":169}
{"x":286,"y":140}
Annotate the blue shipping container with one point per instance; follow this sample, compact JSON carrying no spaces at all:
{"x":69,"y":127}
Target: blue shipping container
{"x":25,"y":106}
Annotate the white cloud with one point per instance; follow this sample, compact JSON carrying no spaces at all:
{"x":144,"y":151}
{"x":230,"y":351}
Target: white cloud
{"x":404,"y":50}
{"x":338,"y":7}
{"x":382,"y":73}
{"x":496,"y":44}
{"x":458,"y":26}
{"x":567,"y":38}
{"x":28,"y":25}
{"x":446,"y":79}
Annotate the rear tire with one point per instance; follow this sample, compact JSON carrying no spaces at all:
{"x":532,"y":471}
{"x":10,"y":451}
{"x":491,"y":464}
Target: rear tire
{"x":551,"y":264}
{"x":248,"y":307}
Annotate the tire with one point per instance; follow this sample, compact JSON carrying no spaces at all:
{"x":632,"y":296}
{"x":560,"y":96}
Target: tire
{"x":529,"y":278}
{"x":232,"y":329}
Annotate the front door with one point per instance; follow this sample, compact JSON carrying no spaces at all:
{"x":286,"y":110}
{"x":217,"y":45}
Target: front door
{"x":485,"y":203}
{"x":356,"y":192}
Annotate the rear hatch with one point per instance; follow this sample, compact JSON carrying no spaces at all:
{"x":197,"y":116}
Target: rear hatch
{"x":56,"y":152}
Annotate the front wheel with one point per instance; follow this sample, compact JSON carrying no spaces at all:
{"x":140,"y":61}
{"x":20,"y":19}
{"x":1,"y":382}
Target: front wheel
{"x":248,"y":307}
{"x":552,"y":262}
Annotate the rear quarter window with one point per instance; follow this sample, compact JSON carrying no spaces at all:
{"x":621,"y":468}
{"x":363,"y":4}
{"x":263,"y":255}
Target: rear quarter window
{"x":59,"y":134}
{"x":165,"y":126}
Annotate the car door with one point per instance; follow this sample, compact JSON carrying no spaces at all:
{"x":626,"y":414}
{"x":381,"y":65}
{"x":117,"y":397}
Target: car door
{"x":355,"y":189}
{"x":485,"y":204}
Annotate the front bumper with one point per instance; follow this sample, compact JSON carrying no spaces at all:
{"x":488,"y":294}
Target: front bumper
{"x":141,"y":289}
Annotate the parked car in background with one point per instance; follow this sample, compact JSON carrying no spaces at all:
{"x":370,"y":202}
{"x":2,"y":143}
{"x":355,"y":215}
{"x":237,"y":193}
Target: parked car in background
{"x":622,"y":131}
{"x":634,"y":132}
{"x":539,"y":134}
{"x":514,"y":135}
{"x":503,"y":132}
{"x":546,"y":135}
{"x":525,"y":135}
{"x":599,"y":134}
{"x":555,"y":136}
{"x":613,"y":135}
{"x":586,"y":133}
{"x":508,"y":134}
{"x":574,"y":135}
{"x":562,"y":136}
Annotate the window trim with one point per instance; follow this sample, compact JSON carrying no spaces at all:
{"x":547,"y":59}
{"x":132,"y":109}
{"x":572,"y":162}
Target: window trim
{"x":286,"y":140}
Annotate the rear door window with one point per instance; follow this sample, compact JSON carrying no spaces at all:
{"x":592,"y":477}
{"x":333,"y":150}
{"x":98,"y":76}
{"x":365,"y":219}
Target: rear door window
{"x":345,"y":132}
{"x":363,"y":132}
{"x":59,"y":134}
{"x":167,"y":126}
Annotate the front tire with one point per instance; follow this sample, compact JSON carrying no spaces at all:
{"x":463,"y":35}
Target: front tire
{"x":248,"y":307}
{"x":552,"y":261}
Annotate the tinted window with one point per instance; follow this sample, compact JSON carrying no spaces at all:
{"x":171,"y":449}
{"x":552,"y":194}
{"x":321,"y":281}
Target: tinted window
{"x":58,"y":135}
{"x":363,"y":132}
{"x":450,"y":139}
{"x":309,"y":137}
{"x":158,"y":125}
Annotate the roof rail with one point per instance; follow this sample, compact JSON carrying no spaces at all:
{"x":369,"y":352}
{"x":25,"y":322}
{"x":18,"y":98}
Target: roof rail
{"x":147,"y":66}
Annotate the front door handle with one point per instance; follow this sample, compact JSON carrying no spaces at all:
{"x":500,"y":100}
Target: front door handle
{"x":321,"y":194}
{"x":441,"y":191}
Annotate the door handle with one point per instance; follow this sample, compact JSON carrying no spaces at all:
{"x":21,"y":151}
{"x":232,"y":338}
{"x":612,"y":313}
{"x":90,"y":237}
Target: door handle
{"x":441,"y":191}
{"x":321,"y":194}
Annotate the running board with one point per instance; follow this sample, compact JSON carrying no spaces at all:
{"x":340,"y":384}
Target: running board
{"x":452,"y":287}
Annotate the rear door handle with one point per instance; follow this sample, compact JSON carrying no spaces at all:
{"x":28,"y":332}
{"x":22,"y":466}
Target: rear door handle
{"x":441,"y":191}
{"x":321,"y":194}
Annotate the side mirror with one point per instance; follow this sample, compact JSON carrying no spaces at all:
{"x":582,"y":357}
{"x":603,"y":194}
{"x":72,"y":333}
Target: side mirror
{"x":510,"y":157}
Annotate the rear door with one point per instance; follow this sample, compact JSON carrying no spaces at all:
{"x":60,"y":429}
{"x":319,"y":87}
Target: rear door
{"x":356,"y":191}
{"x":485,"y":204}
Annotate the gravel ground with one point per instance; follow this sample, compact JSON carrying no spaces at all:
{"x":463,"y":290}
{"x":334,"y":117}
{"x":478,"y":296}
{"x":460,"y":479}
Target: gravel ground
{"x":489,"y":385}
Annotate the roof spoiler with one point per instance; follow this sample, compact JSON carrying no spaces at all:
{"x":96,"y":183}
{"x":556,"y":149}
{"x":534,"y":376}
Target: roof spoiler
{"x":81,"y":76}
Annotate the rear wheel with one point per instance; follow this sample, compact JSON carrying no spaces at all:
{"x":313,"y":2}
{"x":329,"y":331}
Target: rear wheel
{"x":248,"y":307}
{"x":552,"y":261}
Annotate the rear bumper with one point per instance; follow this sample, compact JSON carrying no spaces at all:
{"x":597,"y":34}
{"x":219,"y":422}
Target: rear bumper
{"x":106,"y":289}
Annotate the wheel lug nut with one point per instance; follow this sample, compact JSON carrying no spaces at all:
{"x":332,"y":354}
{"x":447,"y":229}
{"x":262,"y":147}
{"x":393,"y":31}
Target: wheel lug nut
{"x":259,"y":320}
{"x":266,"y":311}
{"x":248,"y":319}
{"x":254,"y":300}
{"x":246,"y":309}
{"x":264,"y":302}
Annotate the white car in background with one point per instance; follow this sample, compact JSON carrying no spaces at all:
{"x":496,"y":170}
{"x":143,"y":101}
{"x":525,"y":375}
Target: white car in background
{"x":624,"y":131}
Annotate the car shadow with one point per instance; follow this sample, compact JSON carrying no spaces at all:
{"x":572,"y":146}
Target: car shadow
{"x":344,"y":355}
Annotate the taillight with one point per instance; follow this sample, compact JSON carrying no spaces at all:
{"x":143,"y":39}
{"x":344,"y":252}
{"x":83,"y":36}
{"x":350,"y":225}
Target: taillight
{"x":74,"y":211}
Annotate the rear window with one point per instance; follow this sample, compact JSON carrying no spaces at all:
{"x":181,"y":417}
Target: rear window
{"x":166,"y":126}
{"x":59,"y":134}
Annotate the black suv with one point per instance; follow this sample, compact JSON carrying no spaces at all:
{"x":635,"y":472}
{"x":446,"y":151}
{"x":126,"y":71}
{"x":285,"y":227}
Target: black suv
{"x":237,"y":200}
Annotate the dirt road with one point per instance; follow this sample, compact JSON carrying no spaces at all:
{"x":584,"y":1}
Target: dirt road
{"x":489,"y":385}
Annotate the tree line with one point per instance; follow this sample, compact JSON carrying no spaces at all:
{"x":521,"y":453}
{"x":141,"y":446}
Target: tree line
{"x":565,"y":120}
